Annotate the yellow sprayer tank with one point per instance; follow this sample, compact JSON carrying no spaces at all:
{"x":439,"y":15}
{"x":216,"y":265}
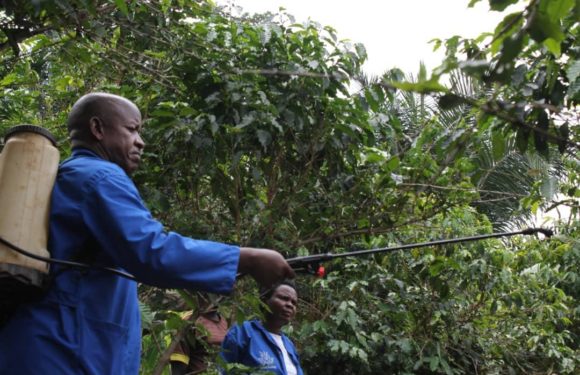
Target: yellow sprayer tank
{"x":28,"y":167}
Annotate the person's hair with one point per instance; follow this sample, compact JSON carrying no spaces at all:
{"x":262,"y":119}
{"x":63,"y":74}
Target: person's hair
{"x":266,"y":293}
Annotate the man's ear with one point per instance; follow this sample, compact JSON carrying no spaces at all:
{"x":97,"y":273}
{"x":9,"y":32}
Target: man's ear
{"x":96,"y":127}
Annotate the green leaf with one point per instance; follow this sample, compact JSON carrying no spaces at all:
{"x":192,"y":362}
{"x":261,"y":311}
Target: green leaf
{"x":549,"y":188}
{"x":437,"y":267}
{"x":248,"y":119}
{"x":122,"y":6}
{"x":574,"y":90}
{"x":264,"y":137}
{"x":557,"y":9}
{"x":361,"y":51}
{"x":422,"y":72}
{"x":552,"y":46}
{"x":499,"y":144}
{"x":449,"y":101}
{"x":147,"y":315}
{"x":543,"y":27}
{"x":540,"y":138}
{"x":371,"y":99}
{"x":116,"y":36}
{"x":9,"y":79}
{"x":573,"y":71}
{"x":420,"y":87}
{"x":175,"y":321}
{"x":433,"y":363}
{"x":564,"y":133}
{"x":511,"y":48}
{"x":500,"y":5}
{"x":506,"y":28}
{"x":502,"y":72}
{"x":522,"y":135}
{"x":393,"y":163}
{"x":39,"y":42}
{"x":373,"y":157}
{"x":519,"y":75}
{"x":405,"y":345}
{"x":474,"y":67}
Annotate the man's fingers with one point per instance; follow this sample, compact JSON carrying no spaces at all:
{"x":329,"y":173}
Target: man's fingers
{"x":266,"y":266}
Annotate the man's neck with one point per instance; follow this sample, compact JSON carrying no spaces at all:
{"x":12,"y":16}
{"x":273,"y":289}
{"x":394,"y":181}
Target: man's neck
{"x":95,"y":147}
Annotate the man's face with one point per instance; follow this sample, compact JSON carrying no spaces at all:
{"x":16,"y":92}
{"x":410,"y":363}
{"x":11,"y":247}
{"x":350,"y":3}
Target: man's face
{"x":121,"y":136}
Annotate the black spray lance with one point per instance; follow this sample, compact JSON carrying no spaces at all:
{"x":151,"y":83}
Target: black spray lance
{"x":313,"y":263}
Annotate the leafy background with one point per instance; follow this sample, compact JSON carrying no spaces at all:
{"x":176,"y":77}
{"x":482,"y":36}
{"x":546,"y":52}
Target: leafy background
{"x":265,"y":132}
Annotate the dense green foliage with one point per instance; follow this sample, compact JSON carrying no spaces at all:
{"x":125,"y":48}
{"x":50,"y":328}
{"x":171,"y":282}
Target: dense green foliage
{"x":265,"y":132}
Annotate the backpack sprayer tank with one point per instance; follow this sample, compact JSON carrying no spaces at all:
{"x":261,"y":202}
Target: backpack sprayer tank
{"x":28,"y":167}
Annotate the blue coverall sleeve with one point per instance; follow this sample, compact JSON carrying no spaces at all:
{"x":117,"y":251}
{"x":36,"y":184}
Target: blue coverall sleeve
{"x":125,"y":229}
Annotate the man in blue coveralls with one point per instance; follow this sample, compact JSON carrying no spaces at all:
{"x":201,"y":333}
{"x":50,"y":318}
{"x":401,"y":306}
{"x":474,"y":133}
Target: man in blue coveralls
{"x":88,"y":322}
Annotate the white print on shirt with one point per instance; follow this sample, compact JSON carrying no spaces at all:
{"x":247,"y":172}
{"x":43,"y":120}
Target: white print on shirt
{"x":266,"y":359}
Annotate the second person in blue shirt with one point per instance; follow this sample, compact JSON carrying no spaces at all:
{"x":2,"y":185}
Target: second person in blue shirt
{"x":261,"y":344}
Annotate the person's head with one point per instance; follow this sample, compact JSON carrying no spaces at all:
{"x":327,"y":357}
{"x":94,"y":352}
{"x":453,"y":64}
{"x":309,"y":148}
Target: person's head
{"x":109,"y":125}
{"x":282,"y":300}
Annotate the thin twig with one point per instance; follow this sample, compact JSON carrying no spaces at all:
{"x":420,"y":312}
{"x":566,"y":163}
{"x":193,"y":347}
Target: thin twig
{"x":165,"y":357}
